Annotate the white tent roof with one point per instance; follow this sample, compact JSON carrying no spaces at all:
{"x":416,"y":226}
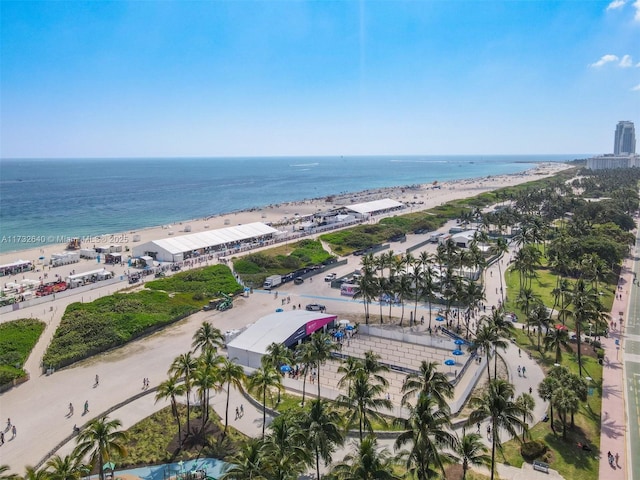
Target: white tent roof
{"x":101,"y":271}
{"x":374,"y":206}
{"x":196,"y":241}
{"x":17,"y":263}
{"x":277,"y":327}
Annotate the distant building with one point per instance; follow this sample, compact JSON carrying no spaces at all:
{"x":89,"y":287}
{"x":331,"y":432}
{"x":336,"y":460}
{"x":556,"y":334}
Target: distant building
{"x":624,"y":142}
{"x":624,"y":150}
{"x":605,"y":162}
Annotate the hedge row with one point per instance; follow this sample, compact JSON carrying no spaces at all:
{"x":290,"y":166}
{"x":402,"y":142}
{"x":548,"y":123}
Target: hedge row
{"x":17,"y":339}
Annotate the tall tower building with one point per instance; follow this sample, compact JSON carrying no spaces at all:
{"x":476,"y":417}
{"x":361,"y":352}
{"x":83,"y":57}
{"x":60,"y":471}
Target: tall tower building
{"x":624,"y":142}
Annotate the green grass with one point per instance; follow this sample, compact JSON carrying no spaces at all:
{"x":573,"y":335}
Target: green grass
{"x":283,"y":259}
{"x":153,"y":440}
{"x":206,"y":282}
{"x":112,"y":321}
{"x":17,"y":339}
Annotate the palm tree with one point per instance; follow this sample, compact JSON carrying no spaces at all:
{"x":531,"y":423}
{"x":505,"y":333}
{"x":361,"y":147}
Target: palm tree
{"x":32,"y":473}
{"x":171,"y":389}
{"x":69,"y":467}
{"x":264,"y":380}
{"x":247,"y":464}
{"x":527,"y":403}
{"x":557,"y":339}
{"x":231,"y":374}
{"x":427,"y":430}
{"x":100,"y":439}
{"x":500,"y":248}
{"x":503,"y":413}
{"x":207,"y":337}
{"x":184,"y":366}
{"x":546,"y":388}
{"x":285,"y":452}
{"x":4,"y":475}
{"x":320,"y":424}
{"x":321,"y":348}
{"x":404,"y":290}
{"x":350,"y":367}
{"x":305,"y":356}
{"x":566,"y":401}
{"x":472,"y":451}
{"x":363,"y":403}
{"x":586,"y":306}
{"x":367,"y":463}
{"x":277,"y":355}
{"x":427,"y":381}
{"x":539,"y":318}
{"x":372,"y":368}
{"x":206,"y":377}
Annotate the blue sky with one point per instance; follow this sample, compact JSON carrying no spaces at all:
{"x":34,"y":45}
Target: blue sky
{"x":226,"y":78}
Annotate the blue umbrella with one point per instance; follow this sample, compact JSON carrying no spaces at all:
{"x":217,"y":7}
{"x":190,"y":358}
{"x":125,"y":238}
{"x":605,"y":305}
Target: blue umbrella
{"x":279,"y":310}
{"x":459,"y":342}
{"x":338,"y":334}
{"x":349,"y":327}
{"x":449,"y":362}
{"x":285,"y":368}
{"x":458,"y":352}
{"x":439,"y":319}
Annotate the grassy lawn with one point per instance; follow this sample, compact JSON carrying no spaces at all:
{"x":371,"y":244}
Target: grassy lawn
{"x":17,"y":339}
{"x":206,"y":282}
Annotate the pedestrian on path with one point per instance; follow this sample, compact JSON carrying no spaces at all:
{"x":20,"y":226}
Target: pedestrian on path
{"x":241,"y":411}
{"x":70,"y":409}
{"x":524,"y":370}
{"x":1,"y":438}
{"x":478,"y":427}
{"x":519,"y":370}
{"x":14,"y":432}
{"x":86,"y":407}
{"x":237,"y":413}
{"x":97,"y":381}
{"x":8,"y":425}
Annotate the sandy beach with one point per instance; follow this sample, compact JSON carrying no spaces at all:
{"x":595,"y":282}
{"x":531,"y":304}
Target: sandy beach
{"x":418,"y":197}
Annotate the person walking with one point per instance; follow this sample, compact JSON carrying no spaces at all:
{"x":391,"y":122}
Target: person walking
{"x":8,"y":424}
{"x":70,"y":409}
{"x":14,"y":432}
{"x":86,"y":407}
{"x":237,"y":413}
{"x":97,"y":381}
{"x":524,"y":371}
{"x":519,"y":370}
{"x":241,"y":411}
{"x":1,"y":438}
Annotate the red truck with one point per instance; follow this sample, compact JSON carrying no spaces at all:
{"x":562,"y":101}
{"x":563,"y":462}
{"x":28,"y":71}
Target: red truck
{"x":50,"y":288}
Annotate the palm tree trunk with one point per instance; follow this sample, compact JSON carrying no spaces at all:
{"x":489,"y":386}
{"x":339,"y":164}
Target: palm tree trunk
{"x":493,"y":451}
{"x":317,"y":463}
{"x":318,"y":381}
{"x":226,"y":411}
{"x":174,"y":409}
{"x":304,"y":383}
{"x":188,"y":409}
{"x":264,"y":410}
{"x":101,"y":464}
{"x":488,"y":366}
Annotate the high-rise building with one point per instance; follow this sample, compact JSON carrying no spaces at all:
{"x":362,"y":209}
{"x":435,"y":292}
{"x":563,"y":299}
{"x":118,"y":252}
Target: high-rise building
{"x":624,"y":142}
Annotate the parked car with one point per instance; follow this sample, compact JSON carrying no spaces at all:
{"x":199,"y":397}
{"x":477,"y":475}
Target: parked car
{"x":315,"y":307}
{"x":330,"y":277}
{"x":298,"y":281}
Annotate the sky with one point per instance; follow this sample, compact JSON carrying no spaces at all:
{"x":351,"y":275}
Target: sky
{"x":272,"y":78}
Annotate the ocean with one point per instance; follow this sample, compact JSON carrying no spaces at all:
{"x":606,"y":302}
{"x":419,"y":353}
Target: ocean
{"x":48,"y":199}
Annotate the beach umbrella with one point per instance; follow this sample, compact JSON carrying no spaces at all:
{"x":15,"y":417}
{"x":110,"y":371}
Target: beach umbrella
{"x":439,"y":319}
{"x":279,"y":310}
{"x":343,"y":322}
{"x":559,"y":326}
{"x":449,"y":362}
{"x":458,"y":352}
{"x":349,"y":327}
{"x":338,"y":334}
{"x":285,"y":368}
{"x":459,"y":342}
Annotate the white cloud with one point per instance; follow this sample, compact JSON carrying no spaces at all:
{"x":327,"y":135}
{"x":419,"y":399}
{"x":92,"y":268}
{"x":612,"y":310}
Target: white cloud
{"x":626,"y":62}
{"x":605,"y":59}
{"x":636,"y":88}
{"x":636,"y":5}
{"x":616,"y":4}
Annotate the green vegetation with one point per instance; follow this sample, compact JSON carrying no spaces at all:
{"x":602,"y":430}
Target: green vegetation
{"x":255,"y":267}
{"x":205,"y":282}
{"x":112,"y":321}
{"x":154,"y":440}
{"x":17,"y":339}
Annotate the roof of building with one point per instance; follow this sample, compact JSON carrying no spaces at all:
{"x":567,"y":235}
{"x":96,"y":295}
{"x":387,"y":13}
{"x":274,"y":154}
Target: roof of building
{"x":374,"y":206}
{"x":278,"y":327}
{"x":466,"y":235}
{"x":196,"y":241}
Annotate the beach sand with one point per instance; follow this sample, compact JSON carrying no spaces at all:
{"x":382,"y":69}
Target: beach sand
{"x":421,"y":197}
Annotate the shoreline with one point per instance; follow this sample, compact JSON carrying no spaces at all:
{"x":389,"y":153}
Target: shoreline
{"x":418,"y":197}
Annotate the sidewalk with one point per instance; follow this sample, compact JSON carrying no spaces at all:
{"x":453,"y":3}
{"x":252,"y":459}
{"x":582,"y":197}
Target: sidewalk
{"x":613,"y":418}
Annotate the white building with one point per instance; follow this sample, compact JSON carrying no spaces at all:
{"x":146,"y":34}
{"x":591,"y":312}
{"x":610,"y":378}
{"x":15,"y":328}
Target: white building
{"x":177,"y":249}
{"x":606,"y":162}
{"x":288,"y":328}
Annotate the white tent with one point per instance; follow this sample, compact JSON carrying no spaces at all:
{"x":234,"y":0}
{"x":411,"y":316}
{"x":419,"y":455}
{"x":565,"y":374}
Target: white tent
{"x":288,"y":328}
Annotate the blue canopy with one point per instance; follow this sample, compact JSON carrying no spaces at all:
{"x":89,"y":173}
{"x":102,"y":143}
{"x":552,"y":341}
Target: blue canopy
{"x":439,"y":319}
{"x":458,"y":352}
{"x":449,"y":362}
{"x":459,"y":342}
{"x":338,"y":334}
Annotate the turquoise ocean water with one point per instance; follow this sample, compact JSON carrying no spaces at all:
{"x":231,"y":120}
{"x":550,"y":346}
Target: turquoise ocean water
{"x":47,"y":199}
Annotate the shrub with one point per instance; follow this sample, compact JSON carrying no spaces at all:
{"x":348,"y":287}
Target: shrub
{"x":600,"y":353}
{"x":533,"y":450}
{"x":17,"y":339}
